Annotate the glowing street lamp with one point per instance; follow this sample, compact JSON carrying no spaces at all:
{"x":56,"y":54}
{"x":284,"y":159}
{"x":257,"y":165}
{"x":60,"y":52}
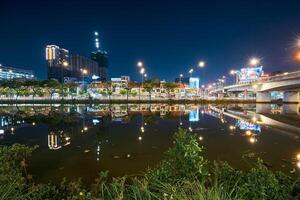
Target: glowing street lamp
{"x":201,"y":64}
{"x":180,"y":77}
{"x":191,"y":71}
{"x":142,"y":71}
{"x":140,"y":64}
{"x":254,"y":62}
{"x":84,"y":72}
{"x":65,"y":64}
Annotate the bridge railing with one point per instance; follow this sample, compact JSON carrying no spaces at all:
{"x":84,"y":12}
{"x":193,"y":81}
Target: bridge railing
{"x":280,"y":77}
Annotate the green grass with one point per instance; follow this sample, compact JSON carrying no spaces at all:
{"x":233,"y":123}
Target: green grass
{"x":183,"y":174}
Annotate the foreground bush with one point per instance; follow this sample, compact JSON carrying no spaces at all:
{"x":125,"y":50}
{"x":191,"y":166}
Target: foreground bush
{"x":183,"y":174}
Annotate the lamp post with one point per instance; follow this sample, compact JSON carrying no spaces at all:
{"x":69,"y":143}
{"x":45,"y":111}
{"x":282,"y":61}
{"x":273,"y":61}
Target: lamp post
{"x":201,"y":65}
{"x":180,"y":78}
{"x":234,"y":75}
{"x":83,"y":72}
{"x":140,"y":65}
{"x":191,"y":71}
{"x":64,"y":65}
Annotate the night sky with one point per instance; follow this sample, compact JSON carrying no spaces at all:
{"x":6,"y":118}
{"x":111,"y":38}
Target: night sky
{"x":169,"y":36}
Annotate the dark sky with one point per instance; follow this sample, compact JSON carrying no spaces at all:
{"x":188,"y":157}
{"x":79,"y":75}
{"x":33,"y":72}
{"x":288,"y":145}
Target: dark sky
{"x":169,"y":36}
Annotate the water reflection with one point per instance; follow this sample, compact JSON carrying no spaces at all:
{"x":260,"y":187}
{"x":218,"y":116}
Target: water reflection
{"x":134,"y":136}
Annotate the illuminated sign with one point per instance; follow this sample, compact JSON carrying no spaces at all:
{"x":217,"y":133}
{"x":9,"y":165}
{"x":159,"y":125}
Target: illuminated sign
{"x":245,"y":125}
{"x":194,"y":82}
{"x":194,"y":116}
{"x":250,"y":74}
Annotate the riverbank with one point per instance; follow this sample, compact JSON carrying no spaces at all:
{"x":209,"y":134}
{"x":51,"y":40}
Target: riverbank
{"x":136,"y":101}
{"x":122,"y":101}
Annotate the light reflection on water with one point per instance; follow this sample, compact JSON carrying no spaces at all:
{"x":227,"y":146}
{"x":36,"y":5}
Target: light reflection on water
{"x":81,"y":140}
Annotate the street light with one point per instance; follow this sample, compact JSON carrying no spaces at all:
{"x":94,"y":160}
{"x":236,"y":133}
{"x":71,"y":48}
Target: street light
{"x":180,"y":77}
{"x":201,"y":64}
{"x":142,"y":71}
{"x":140,"y":64}
{"x":191,"y":71}
{"x":254,"y":61}
{"x":84,"y":72}
{"x":233,"y":73}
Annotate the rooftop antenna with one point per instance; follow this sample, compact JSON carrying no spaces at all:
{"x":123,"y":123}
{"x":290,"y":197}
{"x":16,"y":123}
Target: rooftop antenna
{"x":97,"y":43}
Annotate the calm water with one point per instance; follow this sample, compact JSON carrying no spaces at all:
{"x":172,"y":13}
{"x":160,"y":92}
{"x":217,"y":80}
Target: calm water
{"x":82,"y":140}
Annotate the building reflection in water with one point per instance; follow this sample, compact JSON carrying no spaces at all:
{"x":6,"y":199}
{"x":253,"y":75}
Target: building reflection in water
{"x":239,"y":116}
{"x":57,"y":140}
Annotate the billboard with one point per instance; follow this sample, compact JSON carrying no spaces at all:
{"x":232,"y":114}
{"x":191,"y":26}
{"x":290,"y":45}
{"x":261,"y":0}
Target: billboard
{"x":249,"y":74}
{"x":194,"y":82}
{"x":246,"y":125}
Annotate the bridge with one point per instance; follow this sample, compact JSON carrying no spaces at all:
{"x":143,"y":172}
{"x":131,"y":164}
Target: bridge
{"x":288,"y":83}
{"x":263,"y":118}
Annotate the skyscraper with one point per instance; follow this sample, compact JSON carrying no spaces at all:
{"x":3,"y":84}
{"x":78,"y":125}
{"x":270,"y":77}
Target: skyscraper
{"x":101,"y":58}
{"x":58,"y":63}
{"x":80,"y":62}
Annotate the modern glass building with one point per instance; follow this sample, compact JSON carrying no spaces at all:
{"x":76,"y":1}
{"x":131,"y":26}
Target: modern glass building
{"x":58,"y":63}
{"x":11,"y":73}
{"x":78,"y":63}
{"x":101,"y":58}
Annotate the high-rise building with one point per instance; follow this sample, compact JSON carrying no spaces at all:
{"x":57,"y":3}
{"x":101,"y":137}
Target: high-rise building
{"x":101,"y":58}
{"x":80,"y":62}
{"x":11,"y":73}
{"x":58,"y":63}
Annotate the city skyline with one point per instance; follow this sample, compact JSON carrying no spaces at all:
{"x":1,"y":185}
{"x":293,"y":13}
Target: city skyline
{"x":168,"y":38}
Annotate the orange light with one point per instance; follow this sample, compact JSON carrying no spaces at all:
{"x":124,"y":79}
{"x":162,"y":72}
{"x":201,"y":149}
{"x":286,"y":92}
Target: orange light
{"x":297,"y":56}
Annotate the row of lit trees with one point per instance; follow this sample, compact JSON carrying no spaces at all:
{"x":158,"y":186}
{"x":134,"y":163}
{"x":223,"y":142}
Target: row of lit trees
{"x":36,"y":88}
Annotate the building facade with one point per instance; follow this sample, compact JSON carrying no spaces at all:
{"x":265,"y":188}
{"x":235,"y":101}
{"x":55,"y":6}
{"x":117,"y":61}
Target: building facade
{"x":11,"y":73}
{"x":101,"y":58}
{"x":78,"y":63}
{"x":58,"y":63}
{"x":121,"y":82}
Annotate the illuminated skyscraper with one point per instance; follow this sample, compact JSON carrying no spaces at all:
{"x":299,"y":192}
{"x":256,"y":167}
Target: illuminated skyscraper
{"x":58,"y":63}
{"x":101,"y":58}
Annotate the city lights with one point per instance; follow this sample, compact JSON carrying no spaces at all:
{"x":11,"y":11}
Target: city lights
{"x":84,"y":71}
{"x":140,"y":64}
{"x":231,"y":127}
{"x":142,"y":71}
{"x":201,"y":64}
{"x":248,"y":133}
{"x":252,"y":140}
{"x":254,"y":61}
